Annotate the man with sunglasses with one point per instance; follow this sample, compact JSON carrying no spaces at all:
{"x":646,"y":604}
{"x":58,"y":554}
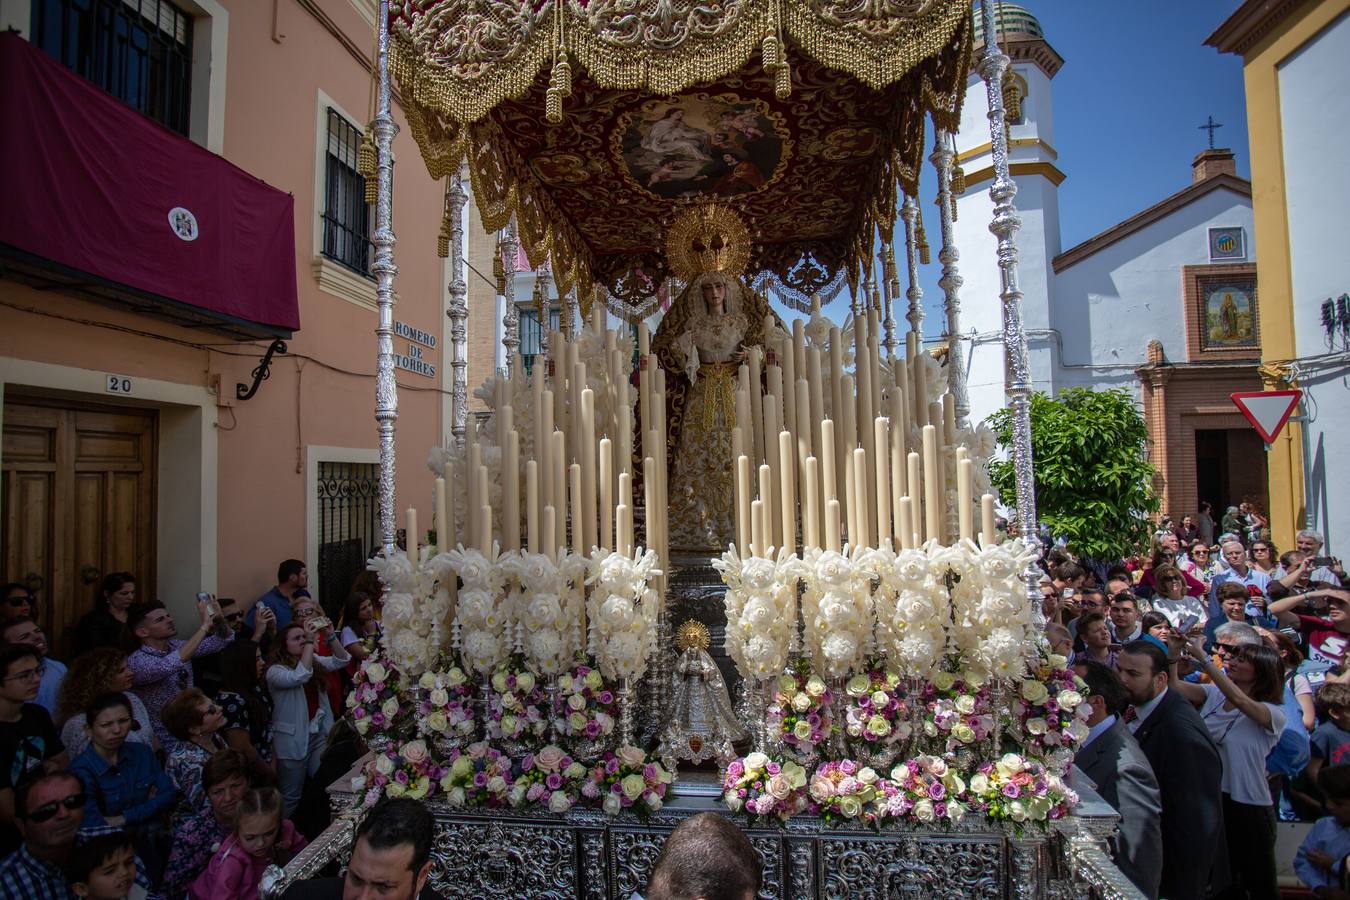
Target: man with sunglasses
{"x":1239,"y":570}
{"x":50,"y":811}
{"x":28,"y":740}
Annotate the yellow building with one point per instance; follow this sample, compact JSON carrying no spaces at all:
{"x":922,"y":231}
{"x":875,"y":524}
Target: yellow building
{"x":1296,"y":59}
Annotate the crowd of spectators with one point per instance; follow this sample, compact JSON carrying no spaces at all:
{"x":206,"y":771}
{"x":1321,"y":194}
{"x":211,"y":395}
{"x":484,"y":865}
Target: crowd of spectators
{"x":154,"y":765}
{"x":1217,"y":675}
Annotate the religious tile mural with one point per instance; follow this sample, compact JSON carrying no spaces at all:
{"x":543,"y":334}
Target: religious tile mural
{"x":1229,"y":314}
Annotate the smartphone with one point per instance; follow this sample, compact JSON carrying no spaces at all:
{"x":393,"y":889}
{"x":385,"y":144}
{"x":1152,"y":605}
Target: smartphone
{"x":1320,"y":562}
{"x":212,"y":610}
{"x":1067,"y":593}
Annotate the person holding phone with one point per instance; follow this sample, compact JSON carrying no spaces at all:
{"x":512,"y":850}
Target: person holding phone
{"x":1325,"y":568}
{"x":302,"y":714}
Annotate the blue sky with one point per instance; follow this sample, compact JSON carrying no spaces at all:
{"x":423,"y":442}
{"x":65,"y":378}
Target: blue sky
{"x":1136,"y":84}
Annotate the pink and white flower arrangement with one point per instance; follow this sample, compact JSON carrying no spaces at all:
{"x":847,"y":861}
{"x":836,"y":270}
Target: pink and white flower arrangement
{"x":517,"y":708}
{"x":404,"y":771}
{"x":765,"y":787}
{"x":876,"y":715}
{"x":957,"y":710}
{"x":626,"y":779}
{"x":1049,"y":714}
{"x":548,"y":777}
{"x":800,"y":710}
{"x":377,"y":704}
{"x":845,"y":789}
{"x":1020,"y":790}
{"x":588,"y":705}
{"x":478,"y":776}
{"x":445,"y":706}
{"x":925,"y":790}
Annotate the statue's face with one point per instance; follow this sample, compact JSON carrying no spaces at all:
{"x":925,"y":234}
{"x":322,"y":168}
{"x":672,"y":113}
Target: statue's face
{"x":715,"y":295}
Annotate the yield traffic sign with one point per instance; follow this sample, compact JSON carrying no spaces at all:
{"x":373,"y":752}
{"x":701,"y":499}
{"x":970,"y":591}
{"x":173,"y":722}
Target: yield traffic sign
{"x":1267,"y":410}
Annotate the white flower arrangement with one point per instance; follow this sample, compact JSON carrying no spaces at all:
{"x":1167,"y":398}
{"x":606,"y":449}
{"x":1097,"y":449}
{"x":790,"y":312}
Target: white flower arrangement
{"x":546,"y":608}
{"x":761,"y":608}
{"x":992,"y":625}
{"x":481,"y":619}
{"x":837,"y":611}
{"x":622,"y":611}
{"x":416,"y":611}
{"x":911,"y":609}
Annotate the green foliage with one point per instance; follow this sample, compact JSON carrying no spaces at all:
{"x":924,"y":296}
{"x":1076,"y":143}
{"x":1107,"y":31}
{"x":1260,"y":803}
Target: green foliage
{"x":1094,"y":483}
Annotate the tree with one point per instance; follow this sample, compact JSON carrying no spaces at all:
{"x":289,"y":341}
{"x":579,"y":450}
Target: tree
{"x":1094,"y":483}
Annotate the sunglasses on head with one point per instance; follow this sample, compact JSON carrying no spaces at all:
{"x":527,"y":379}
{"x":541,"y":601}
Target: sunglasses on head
{"x":48,"y":810}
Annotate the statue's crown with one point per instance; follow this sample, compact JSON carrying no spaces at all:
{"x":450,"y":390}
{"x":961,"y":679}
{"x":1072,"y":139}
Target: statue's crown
{"x":708,"y":237}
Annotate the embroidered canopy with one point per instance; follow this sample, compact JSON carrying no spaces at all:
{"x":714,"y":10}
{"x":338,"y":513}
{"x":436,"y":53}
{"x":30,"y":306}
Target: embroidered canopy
{"x":594,"y":122}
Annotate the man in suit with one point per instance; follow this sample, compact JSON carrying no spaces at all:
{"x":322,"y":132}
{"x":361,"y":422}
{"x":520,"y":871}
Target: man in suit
{"x":1187,"y":766}
{"x":1112,"y":760}
{"x":391,"y":858}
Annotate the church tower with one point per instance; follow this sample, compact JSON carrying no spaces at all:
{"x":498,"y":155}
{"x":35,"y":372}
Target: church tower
{"x":1028,"y":101}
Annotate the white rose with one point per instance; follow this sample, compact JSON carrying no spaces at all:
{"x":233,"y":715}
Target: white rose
{"x":801,"y":703}
{"x":384,"y":765}
{"x":439,"y":697}
{"x":389,"y":708}
{"x":924,"y":811}
{"x":559,"y":802}
{"x":756,"y":761}
{"x":1034,"y":692}
{"x":496,"y":785}
{"x":1069,"y":699}
{"x":965,"y":704}
{"x":612,"y":804}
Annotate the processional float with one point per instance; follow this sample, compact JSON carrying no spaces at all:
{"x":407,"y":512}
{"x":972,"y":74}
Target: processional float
{"x":899,"y":726}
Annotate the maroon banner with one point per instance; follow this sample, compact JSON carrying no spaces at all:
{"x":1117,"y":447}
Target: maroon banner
{"x":91,"y":184}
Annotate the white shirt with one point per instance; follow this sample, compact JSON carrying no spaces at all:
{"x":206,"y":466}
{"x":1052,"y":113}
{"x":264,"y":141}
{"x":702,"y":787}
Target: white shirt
{"x":1141,"y":713}
{"x":1094,"y":731}
{"x":1132,"y":636}
{"x":1243,"y":746}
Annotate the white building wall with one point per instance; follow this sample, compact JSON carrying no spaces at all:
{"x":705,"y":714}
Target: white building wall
{"x":1315,"y":124}
{"x":1110,"y":305}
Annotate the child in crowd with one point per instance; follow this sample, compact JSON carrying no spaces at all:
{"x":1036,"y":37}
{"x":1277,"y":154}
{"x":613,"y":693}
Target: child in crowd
{"x":1319,"y":862}
{"x":262,"y":836}
{"x":1331,"y":740}
{"x":104,"y":868}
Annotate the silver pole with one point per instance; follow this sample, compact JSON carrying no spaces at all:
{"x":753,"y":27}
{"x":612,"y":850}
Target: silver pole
{"x":888,"y":293}
{"x":458,"y":310}
{"x":909,"y":214}
{"x":511,"y":317}
{"x":942,"y":157}
{"x":1017,"y":371}
{"x":386,"y":388}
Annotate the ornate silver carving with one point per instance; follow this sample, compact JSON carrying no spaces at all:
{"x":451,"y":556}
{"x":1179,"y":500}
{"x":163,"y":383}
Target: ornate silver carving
{"x":909,"y":214}
{"x":868,"y":868}
{"x":386,"y":388}
{"x":511,"y":318}
{"x":889,"y":291}
{"x":1017,"y":369}
{"x":458,"y":311}
{"x":942,"y":157}
{"x":335,"y":842}
{"x":502,"y":858}
{"x":801,"y":867}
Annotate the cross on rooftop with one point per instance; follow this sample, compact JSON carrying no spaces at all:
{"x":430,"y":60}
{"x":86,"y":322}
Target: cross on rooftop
{"x":1211,"y":126}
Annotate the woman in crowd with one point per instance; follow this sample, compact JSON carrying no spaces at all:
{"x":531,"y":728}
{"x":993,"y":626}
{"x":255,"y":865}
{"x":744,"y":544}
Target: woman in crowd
{"x":1241,"y":709}
{"x":17,"y":600}
{"x":304,"y":609}
{"x":225,"y":779}
{"x":302,"y":713}
{"x":1155,"y":623}
{"x":1187,"y":531}
{"x":1184,"y":612}
{"x":1296,"y":683}
{"x":103,"y":625}
{"x":195,"y":721}
{"x":247,"y":704}
{"x":1203,"y":566}
{"x":1096,"y":635}
{"x":361,"y":631}
{"x":123,"y":783}
{"x":1163,"y":553}
{"x":1237,"y":605}
{"x":96,"y":672}
{"x":1262,"y":557}
{"x":261,"y":836}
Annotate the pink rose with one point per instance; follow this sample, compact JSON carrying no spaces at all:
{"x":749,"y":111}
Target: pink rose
{"x":549,"y":759}
{"x":779,"y":787}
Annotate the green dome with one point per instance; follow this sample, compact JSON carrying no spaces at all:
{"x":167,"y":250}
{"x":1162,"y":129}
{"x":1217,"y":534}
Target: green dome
{"x":1011,"y":19}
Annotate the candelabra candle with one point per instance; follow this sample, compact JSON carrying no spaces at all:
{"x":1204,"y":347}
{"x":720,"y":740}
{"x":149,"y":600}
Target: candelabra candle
{"x":901,"y":405}
{"x":511,"y":490}
{"x":442,"y":532}
{"x":916,"y":498}
{"x":906,"y":523}
{"x":531,"y":506}
{"x":578,"y":532}
{"x":485,"y":529}
{"x":411,"y":539}
{"x":837,"y":404}
{"x":606,"y":493}
{"x":860,"y":489}
{"x":931,"y":504}
{"x":755,"y":389}
{"x":832,"y":537}
{"x":743,"y":521}
{"x":766,"y":506}
{"x":817,"y":389}
{"x":588,"y":476}
{"x":964,"y":483}
{"x":881,"y":477}
{"x":805,"y":446}
{"x":559,"y":479}
{"x":850,"y":505}
{"x":900,"y":524}
{"x":757,"y":528}
{"x":988,"y":534}
{"x":810,"y":492}
{"x":788,"y":506}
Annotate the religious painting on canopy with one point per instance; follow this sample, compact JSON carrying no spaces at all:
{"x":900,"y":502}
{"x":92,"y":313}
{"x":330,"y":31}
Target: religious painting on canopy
{"x":702,"y":146}
{"x":1229,"y":314}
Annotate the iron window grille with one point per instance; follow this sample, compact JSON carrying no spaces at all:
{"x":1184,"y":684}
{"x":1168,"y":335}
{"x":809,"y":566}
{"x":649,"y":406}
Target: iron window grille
{"x":140,"y":51}
{"x":349,"y":527}
{"x":346,"y":215}
{"x":531,"y":333}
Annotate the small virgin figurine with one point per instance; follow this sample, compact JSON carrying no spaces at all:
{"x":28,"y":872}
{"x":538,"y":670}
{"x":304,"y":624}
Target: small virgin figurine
{"x":703,"y":725}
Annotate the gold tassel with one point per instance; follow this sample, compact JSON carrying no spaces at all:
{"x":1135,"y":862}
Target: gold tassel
{"x":366,"y":163}
{"x":559,"y":87}
{"x":443,"y":240}
{"x":772,"y":54}
{"x":922,"y":240}
{"x":782,"y":82}
{"x":958,"y":181}
{"x":553,"y":106}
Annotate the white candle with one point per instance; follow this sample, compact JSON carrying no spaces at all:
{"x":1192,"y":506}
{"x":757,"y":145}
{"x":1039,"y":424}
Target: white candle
{"x":743,"y":505}
{"x":544,"y":453}
{"x":550,"y":529}
{"x":606,"y":494}
{"x":578,"y":531}
{"x":803,"y":430}
{"x":485,"y":529}
{"x":988,"y":534}
{"x":832,"y":538}
{"x":766,"y":504}
{"x":441,"y":534}
{"x":757,"y":528}
{"x":651,"y":489}
{"x":588,"y":475}
{"x":451,"y":537}
{"x":811,"y":503}
{"x":787,"y":465}
{"x":964,"y":483}
{"x":882,"y":466}
{"x":907,"y":528}
{"x":412,"y":540}
{"x":559,"y":500}
{"x":948,"y":419}
{"x":828,"y":477}
{"x":511,"y":492}
{"x":850,"y":498}
{"x":756,"y":405}
{"x":817,"y":387}
{"x":915,"y":484}
{"x":900,"y":524}
{"x":860,"y":489}
{"x":790,"y":389}
{"x":931,"y":504}
{"x":532,"y":506}
{"x":903,"y":396}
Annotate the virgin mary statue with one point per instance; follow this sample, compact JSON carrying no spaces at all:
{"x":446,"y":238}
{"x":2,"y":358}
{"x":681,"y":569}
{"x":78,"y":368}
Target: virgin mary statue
{"x":700,"y":344}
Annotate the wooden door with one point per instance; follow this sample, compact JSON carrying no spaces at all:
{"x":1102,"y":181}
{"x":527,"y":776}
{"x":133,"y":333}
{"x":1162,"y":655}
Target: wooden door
{"x":78,"y":502}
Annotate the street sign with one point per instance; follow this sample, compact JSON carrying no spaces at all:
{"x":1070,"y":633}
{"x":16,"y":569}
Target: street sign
{"x":1267,"y":410}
